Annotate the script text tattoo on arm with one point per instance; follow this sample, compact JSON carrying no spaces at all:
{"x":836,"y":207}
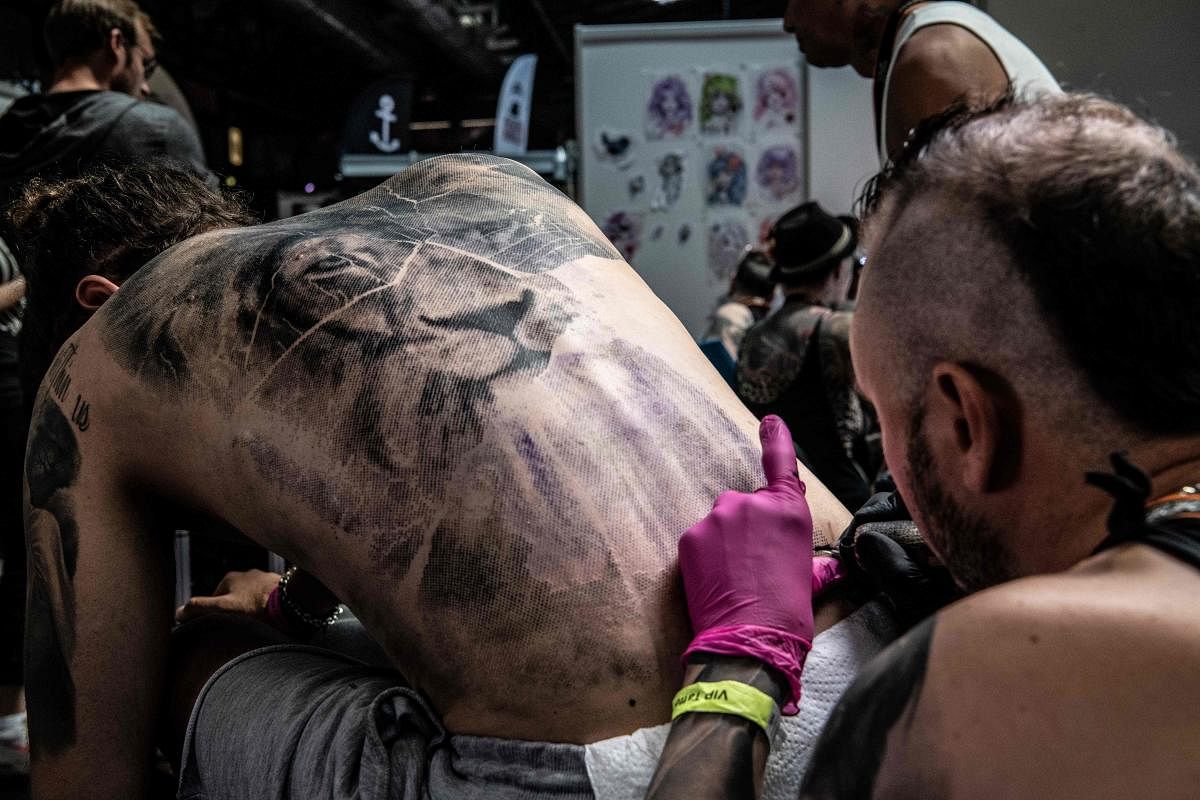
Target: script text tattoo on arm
{"x":59,"y":379}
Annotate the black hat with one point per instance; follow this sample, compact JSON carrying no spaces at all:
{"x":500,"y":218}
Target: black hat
{"x":754,"y":273}
{"x":808,"y":238}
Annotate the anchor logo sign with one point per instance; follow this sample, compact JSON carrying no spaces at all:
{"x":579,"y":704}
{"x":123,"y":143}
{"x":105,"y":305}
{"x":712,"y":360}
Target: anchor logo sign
{"x":382,"y":138}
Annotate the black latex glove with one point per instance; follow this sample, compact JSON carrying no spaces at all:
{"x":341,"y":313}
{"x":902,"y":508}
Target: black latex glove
{"x":883,"y":548}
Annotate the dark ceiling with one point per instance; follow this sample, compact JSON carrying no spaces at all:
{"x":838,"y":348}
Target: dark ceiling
{"x":287,"y":71}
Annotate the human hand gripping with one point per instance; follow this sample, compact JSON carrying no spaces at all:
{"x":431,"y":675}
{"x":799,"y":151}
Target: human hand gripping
{"x":748,"y":569}
{"x":238,"y":593}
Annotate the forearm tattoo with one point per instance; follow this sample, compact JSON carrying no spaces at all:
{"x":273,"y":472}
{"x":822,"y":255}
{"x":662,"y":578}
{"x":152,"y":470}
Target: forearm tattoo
{"x":846,"y":762}
{"x":717,"y":755}
{"x":52,"y":469}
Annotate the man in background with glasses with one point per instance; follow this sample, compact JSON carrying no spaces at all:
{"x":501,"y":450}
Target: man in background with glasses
{"x":102,"y":54}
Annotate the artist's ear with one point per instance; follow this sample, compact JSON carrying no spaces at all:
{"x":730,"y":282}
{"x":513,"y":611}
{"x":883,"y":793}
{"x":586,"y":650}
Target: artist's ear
{"x":979,"y":415}
{"x":116,"y":45}
{"x":93,"y":290}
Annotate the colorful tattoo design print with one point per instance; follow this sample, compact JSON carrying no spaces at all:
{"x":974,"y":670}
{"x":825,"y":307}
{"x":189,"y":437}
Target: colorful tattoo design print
{"x":721,"y":104}
{"x":669,"y":111}
{"x":670,"y":169}
{"x":727,"y":241}
{"x":727,"y":180}
{"x":614,"y":147}
{"x":637,"y":185}
{"x":624,"y":230}
{"x":776,"y":99}
{"x":777,"y":174}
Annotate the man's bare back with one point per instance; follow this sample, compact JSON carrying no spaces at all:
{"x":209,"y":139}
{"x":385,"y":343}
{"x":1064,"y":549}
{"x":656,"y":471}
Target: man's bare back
{"x":448,"y":399}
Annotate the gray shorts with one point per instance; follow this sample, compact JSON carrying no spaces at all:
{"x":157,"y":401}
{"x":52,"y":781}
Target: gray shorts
{"x":293,"y":721}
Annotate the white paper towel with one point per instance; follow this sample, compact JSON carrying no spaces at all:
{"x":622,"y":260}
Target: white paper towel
{"x":621,"y":768}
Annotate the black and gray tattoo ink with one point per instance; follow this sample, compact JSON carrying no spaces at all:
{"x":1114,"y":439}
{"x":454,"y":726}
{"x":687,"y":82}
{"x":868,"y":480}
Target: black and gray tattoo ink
{"x":52,"y":468}
{"x":389,"y":334}
{"x":59,"y":379}
{"x":846,"y":762}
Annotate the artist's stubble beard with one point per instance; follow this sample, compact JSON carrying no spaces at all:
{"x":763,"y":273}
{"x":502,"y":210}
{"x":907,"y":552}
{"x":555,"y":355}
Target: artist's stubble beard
{"x":972,"y":549}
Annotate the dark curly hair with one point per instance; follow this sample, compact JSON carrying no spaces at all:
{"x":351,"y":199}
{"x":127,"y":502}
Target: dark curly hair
{"x":109,"y":221}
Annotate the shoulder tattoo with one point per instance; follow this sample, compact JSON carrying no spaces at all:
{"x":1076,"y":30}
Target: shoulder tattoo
{"x":52,"y":469}
{"x":850,"y":751}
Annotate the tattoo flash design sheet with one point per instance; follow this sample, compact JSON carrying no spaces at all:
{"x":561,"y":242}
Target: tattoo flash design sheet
{"x":777,"y":176}
{"x":624,"y":230}
{"x":726,"y":177}
{"x":721,"y":103}
{"x":713,"y":124}
{"x":728,"y":238}
{"x":669,"y":108}
{"x":776,"y":99}
{"x":669,"y":171}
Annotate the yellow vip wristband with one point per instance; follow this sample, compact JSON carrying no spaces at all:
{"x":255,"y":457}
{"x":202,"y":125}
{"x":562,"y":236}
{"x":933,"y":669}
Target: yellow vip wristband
{"x":728,"y":697}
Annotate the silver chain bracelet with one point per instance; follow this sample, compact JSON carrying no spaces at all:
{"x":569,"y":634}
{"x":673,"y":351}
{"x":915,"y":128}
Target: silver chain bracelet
{"x":294,"y":608}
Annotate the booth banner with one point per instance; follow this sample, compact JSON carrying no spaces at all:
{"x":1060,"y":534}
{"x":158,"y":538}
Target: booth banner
{"x":512,"y":109}
{"x":378,"y":121}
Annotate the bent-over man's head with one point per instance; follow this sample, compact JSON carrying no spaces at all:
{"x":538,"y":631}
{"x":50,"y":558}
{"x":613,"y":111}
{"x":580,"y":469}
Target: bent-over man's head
{"x":82,"y":237}
{"x":1030,"y":307}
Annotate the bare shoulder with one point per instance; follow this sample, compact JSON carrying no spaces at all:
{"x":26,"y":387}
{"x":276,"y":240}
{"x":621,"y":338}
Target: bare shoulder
{"x":1074,"y":685}
{"x":938,"y":66}
{"x":1069,"y":685}
{"x":945,"y":51}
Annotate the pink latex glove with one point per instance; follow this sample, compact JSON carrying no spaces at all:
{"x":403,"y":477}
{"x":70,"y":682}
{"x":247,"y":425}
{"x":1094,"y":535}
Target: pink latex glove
{"x":748,"y":570}
{"x":827,"y":573}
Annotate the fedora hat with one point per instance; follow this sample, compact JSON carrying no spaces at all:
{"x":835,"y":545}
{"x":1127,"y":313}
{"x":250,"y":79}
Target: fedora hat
{"x":808,"y":238}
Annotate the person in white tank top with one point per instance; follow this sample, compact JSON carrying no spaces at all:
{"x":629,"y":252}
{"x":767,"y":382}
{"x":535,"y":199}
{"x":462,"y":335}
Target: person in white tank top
{"x":924,"y":56}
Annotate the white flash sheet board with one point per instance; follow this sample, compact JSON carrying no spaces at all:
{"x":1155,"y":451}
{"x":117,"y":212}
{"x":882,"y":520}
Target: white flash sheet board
{"x":695,"y":137}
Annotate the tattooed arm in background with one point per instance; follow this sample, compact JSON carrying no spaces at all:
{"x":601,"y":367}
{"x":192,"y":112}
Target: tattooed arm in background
{"x":99,"y":595}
